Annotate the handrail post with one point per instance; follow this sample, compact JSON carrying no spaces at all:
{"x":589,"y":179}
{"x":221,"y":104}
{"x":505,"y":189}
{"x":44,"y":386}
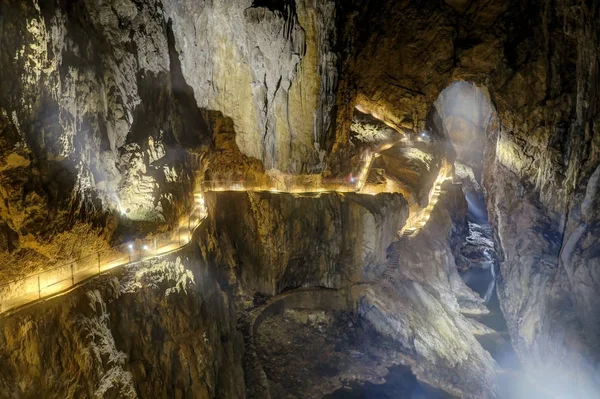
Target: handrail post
{"x":39,"y":288}
{"x":155,"y":243}
{"x":98,"y":262}
{"x":72,"y":275}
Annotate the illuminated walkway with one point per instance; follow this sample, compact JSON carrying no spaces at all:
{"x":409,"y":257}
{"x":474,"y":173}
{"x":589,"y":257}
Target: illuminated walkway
{"x":416,"y":223}
{"x":297,"y":184}
{"x":61,"y":279}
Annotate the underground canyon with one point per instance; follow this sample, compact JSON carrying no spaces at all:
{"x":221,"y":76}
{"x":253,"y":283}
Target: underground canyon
{"x":289,"y":199}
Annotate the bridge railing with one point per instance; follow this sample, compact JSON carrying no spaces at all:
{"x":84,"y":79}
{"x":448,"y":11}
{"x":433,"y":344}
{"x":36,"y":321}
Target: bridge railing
{"x":299,"y":184}
{"x":50,"y":282}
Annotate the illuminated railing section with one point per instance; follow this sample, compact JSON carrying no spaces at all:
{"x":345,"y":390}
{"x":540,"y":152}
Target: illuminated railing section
{"x":364,"y":171}
{"x":297,"y":184}
{"x":416,"y":223}
{"x":292,"y":187}
{"x":48,"y":283}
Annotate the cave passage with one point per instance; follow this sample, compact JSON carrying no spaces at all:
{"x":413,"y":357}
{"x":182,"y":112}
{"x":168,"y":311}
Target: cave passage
{"x":464,"y":112}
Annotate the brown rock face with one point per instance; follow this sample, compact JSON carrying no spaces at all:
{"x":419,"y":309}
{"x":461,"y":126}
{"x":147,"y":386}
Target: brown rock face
{"x":161,"y":329}
{"x":272,"y":242}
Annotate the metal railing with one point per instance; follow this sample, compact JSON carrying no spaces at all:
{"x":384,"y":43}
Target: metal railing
{"x":283,"y":186}
{"x":50,"y":282}
{"x":297,"y":184}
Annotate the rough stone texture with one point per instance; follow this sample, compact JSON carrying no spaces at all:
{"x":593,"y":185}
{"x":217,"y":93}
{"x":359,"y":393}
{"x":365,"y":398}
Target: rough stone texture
{"x":90,"y":110}
{"x":413,"y":168}
{"x":477,"y":250}
{"x":413,"y":296}
{"x":310,"y":353}
{"x":105,"y":105}
{"x":270,"y":242}
{"x":270,"y":66}
{"x":100,"y":100}
{"x":419,"y":302}
{"x":538,"y":60}
{"x":161,"y":329}
{"x":542,"y":182}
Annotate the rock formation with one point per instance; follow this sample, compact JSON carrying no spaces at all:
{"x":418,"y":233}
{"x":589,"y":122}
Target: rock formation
{"x":177,"y":338}
{"x":113,"y":113}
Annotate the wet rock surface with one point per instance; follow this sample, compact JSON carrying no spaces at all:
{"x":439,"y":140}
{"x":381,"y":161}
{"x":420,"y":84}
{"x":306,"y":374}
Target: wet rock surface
{"x":478,"y":248}
{"x":535,"y":59}
{"x":400,"y":383}
{"x":421,"y":302}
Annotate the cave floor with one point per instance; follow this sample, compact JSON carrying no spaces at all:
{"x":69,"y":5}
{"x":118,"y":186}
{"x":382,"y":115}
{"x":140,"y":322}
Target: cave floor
{"x":332,"y":355}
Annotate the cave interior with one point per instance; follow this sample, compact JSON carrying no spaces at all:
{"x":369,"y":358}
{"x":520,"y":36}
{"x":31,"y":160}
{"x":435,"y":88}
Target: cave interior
{"x":285,"y":199}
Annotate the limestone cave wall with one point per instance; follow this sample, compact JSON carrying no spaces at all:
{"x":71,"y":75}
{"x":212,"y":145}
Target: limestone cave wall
{"x":107,"y":109}
{"x":267,"y":243}
{"x":538,"y":61}
{"x":162,"y":328}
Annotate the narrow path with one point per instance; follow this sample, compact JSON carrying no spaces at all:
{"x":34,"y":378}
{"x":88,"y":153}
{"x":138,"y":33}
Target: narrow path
{"x":61,"y":279}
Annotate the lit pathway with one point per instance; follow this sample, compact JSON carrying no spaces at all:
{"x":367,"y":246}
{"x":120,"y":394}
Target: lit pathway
{"x":415,"y":224}
{"x":61,"y":279}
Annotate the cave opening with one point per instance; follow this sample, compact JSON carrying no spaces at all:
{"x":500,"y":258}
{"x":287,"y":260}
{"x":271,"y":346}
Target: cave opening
{"x":464,"y":113}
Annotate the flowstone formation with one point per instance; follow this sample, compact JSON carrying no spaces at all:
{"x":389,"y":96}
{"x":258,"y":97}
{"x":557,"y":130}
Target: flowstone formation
{"x":420,"y":176}
{"x":106,"y":109}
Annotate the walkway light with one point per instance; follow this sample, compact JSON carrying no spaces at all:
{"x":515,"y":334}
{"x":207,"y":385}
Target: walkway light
{"x":145,"y":247}
{"x":424,"y":136}
{"x":130,"y":246}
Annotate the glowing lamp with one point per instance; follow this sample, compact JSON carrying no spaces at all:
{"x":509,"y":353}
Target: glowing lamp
{"x":423,"y":136}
